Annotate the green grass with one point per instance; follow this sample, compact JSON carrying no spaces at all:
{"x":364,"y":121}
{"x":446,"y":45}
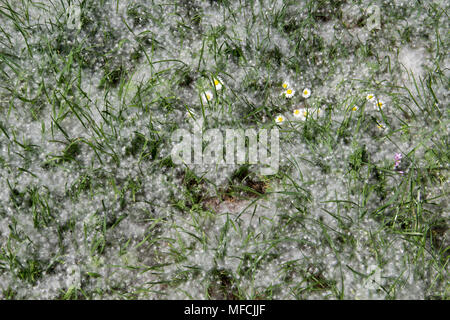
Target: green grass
{"x":93,"y":207}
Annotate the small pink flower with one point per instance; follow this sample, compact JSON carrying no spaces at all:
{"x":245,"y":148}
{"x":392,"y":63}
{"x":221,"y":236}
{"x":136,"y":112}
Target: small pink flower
{"x":398,"y":159}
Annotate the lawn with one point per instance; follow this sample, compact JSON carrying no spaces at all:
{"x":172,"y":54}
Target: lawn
{"x":93,"y":205}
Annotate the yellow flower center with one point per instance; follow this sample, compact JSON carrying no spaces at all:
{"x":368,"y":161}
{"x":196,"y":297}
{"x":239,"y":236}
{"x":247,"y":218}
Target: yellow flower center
{"x":305,"y":92}
{"x":208,"y":96}
{"x":296,"y":112}
{"x":284,"y":85}
{"x":289,"y":91}
{"x":355,"y":108}
{"x":305,"y":113}
{"x":280,"y":119}
{"x":216,"y":82}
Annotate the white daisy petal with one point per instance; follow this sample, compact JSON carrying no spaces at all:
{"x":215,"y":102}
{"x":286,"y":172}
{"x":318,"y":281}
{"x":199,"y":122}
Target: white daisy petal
{"x":297,"y":113}
{"x":370,"y":97}
{"x":279,"y":119}
{"x":218,"y":83}
{"x":379,"y":104}
{"x":306,"y":93}
{"x":289,"y":93}
{"x":207,"y":96}
{"x":301,"y":114}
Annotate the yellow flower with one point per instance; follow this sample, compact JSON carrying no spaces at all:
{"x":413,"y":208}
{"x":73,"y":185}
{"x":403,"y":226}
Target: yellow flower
{"x":285,"y":85}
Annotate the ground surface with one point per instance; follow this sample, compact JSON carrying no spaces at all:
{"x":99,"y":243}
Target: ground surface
{"x":91,"y":205}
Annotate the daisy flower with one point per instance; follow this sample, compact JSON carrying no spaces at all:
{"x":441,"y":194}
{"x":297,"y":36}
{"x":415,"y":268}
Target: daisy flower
{"x":289,"y":93}
{"x":379,"y":104}
{"x":218,"y":83}
{"x":279,"y":119}
{"x":306,"y":93}
{"x":285,"y":85}
{"x":207,"y":96}
{"x":355,"y":108}
{"x":370,"y":97}
{"x":300,"y":114}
